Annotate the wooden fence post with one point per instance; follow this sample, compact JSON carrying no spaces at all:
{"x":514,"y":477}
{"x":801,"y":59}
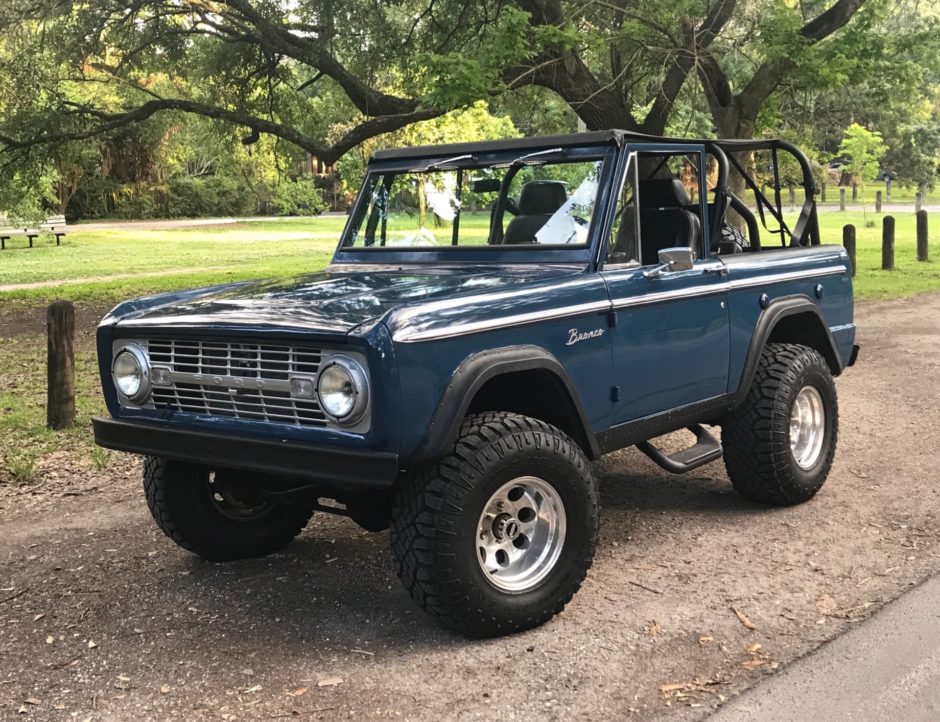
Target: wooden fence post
{"x":878,"y":202}
{"x":842,"y":199}
{"x":854,"y":192}
{"x":922,"y":236}
{"x":887,"y":243}
{"x":822,"y":192}
{"x":792,"y":195}
{"x":848,"y":241}
{"x":918,"y":200}
{"x":60,"y":379}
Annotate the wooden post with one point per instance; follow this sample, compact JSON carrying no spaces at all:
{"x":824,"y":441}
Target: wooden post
{"x":918,"y":200}
{"x":887,"y":243}
{"x":60,"y":380}
{"x":854,"y":192}
{"x":922,"y":235}
{"x":848,"y":241}
{"x":878,"y":202}
{"x":822,"y":192}
{"x":792,"y":194}
{"x":842,"y":199}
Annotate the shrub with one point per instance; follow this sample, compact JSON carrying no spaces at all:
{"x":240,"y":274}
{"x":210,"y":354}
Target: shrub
{"x":212,"y":196}
{"x":297,"y":198}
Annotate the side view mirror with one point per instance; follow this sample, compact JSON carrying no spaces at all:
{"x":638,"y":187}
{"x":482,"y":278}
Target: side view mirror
{"x":485,"y":185}
{"x":672,"y":260}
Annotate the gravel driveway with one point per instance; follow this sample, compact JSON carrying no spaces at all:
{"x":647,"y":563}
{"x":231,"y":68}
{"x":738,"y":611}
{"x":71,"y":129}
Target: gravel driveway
{"x":695,"y":594}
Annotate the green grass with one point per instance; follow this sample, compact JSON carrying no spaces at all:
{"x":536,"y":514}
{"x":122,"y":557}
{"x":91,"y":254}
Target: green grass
{"x":186,"y":257}
{"x":23,"y":407}
{"x":910,"y":276}
{"x":125,"y":264}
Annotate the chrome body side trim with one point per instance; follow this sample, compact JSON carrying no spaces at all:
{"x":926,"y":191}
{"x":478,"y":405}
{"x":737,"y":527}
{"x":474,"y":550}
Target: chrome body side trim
{"x":414,"y":335}
{"x":787,"y":276}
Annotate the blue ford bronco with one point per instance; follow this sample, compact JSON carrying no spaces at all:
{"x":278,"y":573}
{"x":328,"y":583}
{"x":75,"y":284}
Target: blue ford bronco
{"x":496,"y":316}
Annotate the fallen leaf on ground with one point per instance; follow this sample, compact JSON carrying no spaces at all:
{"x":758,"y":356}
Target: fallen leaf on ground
{"x":826,"y":604}
{"x":329,"y":681}
{"x":655,"y":629}
{"x":754,"y":663}
{"x":298,"y":692}
{"x":32,"y":700}
{"x":675,"y":686}
{"x":752,"y":648}
{"x":743,"y":618}
{"x":164,"y":689}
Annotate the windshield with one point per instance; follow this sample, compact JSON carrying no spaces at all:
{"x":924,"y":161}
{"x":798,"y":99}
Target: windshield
{"x":534,"y":200}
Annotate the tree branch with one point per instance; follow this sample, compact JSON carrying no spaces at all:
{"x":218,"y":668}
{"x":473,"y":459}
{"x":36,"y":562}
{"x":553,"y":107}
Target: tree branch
{"x":695,"y":41}
{"x":311,"y":51}
{"x":112,"y":121}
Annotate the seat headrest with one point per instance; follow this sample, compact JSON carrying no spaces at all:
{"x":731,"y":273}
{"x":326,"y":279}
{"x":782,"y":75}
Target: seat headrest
{"x":663,"y":193}
{"x":542,"y":198}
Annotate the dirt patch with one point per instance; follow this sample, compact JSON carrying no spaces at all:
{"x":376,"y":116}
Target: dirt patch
{"x":695,"y":594}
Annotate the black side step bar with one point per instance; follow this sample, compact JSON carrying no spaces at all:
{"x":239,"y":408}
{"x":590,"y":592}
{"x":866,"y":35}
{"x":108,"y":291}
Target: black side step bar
{"x":707,"y":448}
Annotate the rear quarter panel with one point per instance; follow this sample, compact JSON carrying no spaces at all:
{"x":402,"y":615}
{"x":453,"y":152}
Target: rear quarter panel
{"x":788,"y":272}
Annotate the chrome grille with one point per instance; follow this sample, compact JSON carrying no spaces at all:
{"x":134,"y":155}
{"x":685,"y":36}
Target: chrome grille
{"x":239,"y":380}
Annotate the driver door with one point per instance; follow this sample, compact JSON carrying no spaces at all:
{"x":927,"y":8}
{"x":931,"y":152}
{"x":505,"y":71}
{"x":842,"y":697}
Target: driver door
{"x":671,"y":335}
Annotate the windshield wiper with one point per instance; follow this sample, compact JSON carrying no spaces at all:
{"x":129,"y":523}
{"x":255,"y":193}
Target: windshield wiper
{"x":439,"y":164}
{"x":527,"y":158}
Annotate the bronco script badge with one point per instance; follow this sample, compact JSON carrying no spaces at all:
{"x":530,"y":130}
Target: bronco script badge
{"x":576,"y":336}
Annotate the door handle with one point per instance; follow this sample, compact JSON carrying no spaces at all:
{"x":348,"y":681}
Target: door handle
{"x":714,"y":267}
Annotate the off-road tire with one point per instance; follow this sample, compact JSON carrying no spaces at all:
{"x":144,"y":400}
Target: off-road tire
{"x":437,"y":511}
{"x":756,"y":437}
{"x":183,"y":509}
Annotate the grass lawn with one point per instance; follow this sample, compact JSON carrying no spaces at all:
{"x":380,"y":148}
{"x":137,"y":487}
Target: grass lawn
{"x":108,"y":266}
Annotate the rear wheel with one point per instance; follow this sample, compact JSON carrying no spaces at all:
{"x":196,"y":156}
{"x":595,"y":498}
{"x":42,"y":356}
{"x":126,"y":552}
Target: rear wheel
{"x":780,"y":443}
{"x":221,"y":515}
{"x":498,"y":536}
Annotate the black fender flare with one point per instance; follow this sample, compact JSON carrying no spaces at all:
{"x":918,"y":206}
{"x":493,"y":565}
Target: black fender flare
{"x":768,"y":320}
{"x":470,"y":376}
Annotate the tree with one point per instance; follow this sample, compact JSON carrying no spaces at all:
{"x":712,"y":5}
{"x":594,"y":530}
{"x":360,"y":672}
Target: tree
{"x":864,"y":149}
{"x":787,"y":44}
{"x":325,"y":75}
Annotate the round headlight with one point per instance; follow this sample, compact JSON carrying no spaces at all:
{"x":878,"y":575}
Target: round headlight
{"x":131,"y":373}
{"x":343,"y":389}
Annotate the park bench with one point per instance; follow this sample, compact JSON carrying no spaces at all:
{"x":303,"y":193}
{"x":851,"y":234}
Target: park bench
{"x":54,"y":226}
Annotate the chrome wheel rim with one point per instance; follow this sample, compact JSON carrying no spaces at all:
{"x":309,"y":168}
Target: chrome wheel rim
{"x":807,"y":427}
{"x":520,"y":534}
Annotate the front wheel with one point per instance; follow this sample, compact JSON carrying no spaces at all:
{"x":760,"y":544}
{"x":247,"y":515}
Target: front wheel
{"x":780,"y":442}
{"x":498,"y":536}
{"x":221,"y":515}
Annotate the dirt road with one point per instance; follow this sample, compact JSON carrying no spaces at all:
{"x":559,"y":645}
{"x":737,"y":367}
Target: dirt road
{"x":695,"y":594}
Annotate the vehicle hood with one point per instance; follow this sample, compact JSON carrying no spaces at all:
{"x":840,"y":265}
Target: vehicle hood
{"x":334,"y":301}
